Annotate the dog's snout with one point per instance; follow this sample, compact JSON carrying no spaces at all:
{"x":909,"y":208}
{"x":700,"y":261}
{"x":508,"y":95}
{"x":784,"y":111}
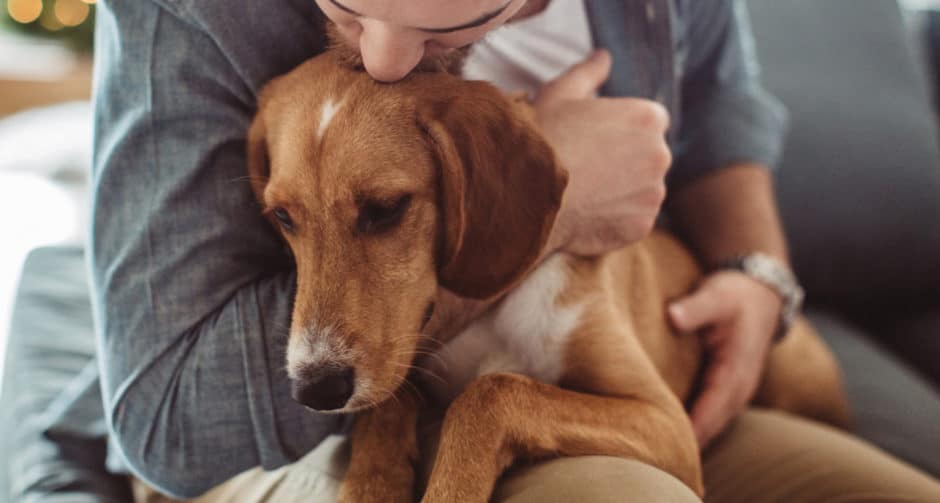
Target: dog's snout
{"x":329,"y":389}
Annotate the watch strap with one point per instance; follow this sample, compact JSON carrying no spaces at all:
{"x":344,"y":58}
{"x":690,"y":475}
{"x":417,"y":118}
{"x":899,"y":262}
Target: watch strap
{"x":778,"y":277}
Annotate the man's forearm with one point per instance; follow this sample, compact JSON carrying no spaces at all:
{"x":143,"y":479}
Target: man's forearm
{"x":730,"y":212}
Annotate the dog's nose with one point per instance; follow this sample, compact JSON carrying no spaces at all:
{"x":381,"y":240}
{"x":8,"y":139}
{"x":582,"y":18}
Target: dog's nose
{"x":329,"y":390}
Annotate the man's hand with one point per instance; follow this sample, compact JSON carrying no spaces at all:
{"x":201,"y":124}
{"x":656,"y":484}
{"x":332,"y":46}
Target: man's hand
{"x":616,"y":154}
{"x":737,"y":317}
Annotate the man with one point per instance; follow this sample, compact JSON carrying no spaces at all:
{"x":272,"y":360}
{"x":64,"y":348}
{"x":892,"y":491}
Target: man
{"x":620,"y":155}
{"x":192,"y":293}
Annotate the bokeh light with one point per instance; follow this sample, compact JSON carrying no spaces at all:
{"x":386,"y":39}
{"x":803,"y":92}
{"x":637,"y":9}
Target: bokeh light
{"x":71,"y":12}
{"x":49,"y":21}
{"x":24,"y":11}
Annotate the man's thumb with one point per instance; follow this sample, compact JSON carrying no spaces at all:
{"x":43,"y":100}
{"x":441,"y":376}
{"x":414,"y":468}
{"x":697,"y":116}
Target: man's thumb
{"x":694,"y":312}
{"x":580,"y":81}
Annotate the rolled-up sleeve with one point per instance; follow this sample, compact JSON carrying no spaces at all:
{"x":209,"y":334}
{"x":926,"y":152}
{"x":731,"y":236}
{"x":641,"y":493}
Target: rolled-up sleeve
{"x":192,"y":291}
{"x":727,"y":117}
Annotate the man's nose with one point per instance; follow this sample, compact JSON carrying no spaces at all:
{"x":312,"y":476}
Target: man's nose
{"x":389,"y":53}
{"x":327,"y":389}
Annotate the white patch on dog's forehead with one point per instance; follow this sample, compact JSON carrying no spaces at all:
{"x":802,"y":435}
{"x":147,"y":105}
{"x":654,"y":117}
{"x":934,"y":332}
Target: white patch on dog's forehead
{"x":313,"y":347}
{"x":330,"y":107}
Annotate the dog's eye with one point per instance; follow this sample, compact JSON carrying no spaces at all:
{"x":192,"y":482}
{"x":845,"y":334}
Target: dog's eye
{"x":284,"y":219}
{"x":375,"y":217}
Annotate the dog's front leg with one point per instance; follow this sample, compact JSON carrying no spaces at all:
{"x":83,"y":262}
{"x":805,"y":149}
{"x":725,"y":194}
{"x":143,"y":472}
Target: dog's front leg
{"x":503,"y":417}
{"x":384,"y":453}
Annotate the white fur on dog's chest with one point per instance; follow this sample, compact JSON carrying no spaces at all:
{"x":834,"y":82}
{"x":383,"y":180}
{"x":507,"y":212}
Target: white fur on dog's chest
{"x":527,"y":333}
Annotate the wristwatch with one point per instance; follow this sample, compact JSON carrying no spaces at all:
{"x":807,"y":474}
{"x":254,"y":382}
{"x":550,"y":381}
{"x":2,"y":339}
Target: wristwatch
{"x":778,"y":277}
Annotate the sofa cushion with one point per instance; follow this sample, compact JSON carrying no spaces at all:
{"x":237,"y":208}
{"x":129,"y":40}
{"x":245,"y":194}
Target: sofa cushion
{"x":859,"y":185}
{"x":54,"y":442}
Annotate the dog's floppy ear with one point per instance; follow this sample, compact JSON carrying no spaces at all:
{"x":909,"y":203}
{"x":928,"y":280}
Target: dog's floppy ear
{"x":500,"y":186}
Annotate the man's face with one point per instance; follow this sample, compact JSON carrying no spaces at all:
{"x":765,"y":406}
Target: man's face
{"x":394,"y":37}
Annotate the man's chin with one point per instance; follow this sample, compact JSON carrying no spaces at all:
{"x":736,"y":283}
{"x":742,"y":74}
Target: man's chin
{"x":449,"y":61}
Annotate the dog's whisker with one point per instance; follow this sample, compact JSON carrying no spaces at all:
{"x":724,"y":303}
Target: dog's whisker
{"x":370,"y":403}
{"x":444,"y":365}
{"x":431,"y":374}
{"x":248,"y":178}
{"x":411,"y":386}
{"x":430,"y":338}
{"x":395,"y":397}
{"x":426,"y":352}
{"x":424,"y":371}
{"x":420,"y":338}
{"x":419,"y":351}
{"x":437,"y":356}
{"x":413,"y":389}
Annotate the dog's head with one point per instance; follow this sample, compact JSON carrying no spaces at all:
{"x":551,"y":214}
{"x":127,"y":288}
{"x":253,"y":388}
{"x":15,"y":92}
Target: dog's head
{"x":384,"y":192}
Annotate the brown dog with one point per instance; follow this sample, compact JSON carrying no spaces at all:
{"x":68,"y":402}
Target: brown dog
{"x":385,"y":193}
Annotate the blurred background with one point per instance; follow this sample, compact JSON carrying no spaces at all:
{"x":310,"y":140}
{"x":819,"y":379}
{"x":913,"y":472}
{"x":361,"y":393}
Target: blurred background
{"x":45,"y":131}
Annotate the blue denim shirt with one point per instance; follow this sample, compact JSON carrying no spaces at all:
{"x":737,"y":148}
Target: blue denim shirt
{"x":192,"y":290}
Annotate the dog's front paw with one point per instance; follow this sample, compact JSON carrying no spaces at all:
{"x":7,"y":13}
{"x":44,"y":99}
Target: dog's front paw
{"x":383,"y":454}
{"x":391,"y":485}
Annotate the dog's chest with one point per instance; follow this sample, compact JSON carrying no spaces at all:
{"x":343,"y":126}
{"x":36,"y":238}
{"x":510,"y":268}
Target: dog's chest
{"x":528,"y":333}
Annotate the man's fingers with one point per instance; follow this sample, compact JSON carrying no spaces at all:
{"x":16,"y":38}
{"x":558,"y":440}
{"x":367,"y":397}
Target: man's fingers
{"x":714,"y":407}
{"x":704,"y":307}
{"x":580,"y":81}
{"x":705,"y":421}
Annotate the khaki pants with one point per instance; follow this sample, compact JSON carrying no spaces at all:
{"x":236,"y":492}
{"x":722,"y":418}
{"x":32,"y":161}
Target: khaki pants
{"x":763,"y":457}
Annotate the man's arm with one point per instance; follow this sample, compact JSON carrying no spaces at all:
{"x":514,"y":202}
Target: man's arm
{"x":722,"y":202}
{"x":726,"y":116}
{"x":191,"y":290}
{"x":730,"y":212}
{"x":730,"y":135}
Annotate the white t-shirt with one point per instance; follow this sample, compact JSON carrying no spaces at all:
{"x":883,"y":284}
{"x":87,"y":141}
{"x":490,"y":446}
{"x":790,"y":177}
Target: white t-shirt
{"x":523,"y":55}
